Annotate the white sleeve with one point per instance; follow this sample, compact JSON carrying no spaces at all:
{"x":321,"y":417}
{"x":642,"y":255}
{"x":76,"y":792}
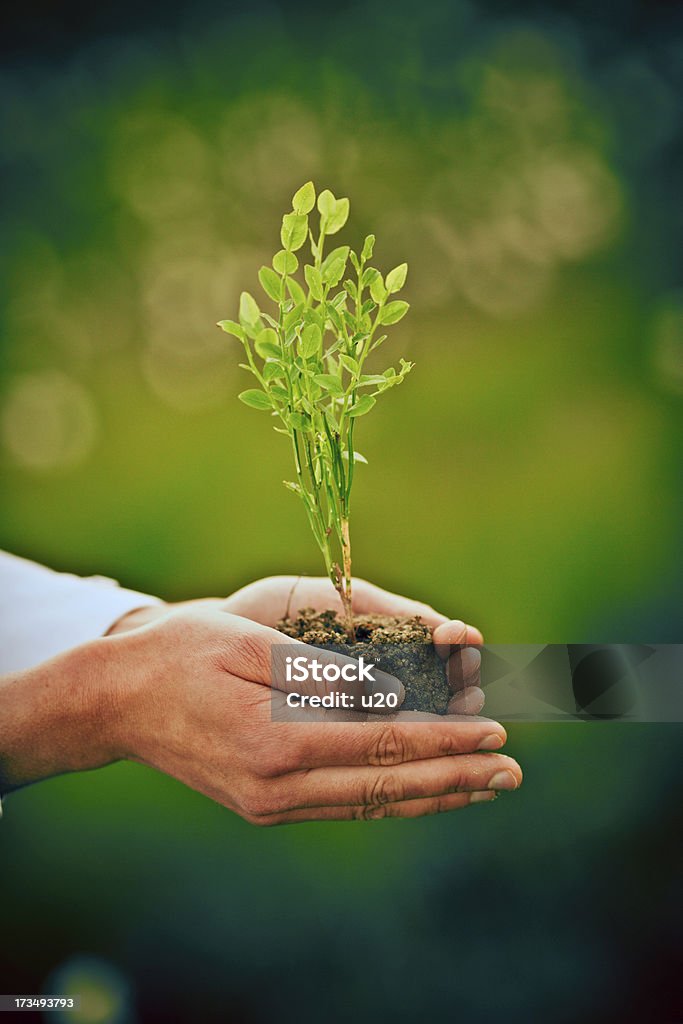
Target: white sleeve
{"x":43,"y":612}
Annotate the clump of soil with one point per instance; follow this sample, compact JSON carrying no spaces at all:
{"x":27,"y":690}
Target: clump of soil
{"x":399,"y":645}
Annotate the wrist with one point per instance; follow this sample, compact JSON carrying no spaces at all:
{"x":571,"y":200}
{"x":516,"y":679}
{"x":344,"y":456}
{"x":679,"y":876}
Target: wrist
{"x":61,"y":716}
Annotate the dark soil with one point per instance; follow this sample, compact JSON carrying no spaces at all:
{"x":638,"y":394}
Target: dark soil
{"x":398,"y":645}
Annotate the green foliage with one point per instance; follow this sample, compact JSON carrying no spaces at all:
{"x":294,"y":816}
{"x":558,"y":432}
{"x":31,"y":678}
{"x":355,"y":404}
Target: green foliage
{"x":308,"y":359}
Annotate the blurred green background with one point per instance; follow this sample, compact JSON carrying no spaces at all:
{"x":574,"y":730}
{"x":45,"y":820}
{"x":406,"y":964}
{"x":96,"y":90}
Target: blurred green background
{"x":526,"y":162}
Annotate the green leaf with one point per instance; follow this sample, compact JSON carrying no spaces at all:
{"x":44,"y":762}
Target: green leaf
{"x":273,"y":371}
{"x":311,"y":341}
{"x":357,"y":457}
{"x":230,"y":327}
{"x":271,"y":283}
{"x":377,"y":289}
{"x":296,"y":291}
{"x":393,"y":312}
{"x":329,"y":383}
{"x":285,"y":262}
{"x":314,"y":281}
{"x":326,"y":203}
{"x":355,"y":263}
{"x":335,"y":318}
{"x":293,"y":316}
{"x":334,"y":273}
{"x":255,"y":399}
{"x":391,"y":378}
{"x":300,"y":421}
{"x":313,"y":316}
{"x":303,"y":200}
{"x":249,"y":312}
{"x":350,"y":364}
{"x":334,"y":265}
{"x":368,"y":247}
{"x":341,"y":252}
{"x":363,"y":405}
{"x":266,"y":344}
{"x":294,"y":231}
{"x":279,"y":392}
{"x":336,"y":220}
{"x":351,"y":290}
{"x":396,"y":278}
{"x":368,"y":379}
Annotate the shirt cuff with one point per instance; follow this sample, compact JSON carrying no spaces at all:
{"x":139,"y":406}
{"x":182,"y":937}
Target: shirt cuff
{"x":45,"y":612}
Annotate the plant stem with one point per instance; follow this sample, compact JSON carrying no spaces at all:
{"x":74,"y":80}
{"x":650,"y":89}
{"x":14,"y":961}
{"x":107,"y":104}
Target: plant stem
{"x":346,"y":595}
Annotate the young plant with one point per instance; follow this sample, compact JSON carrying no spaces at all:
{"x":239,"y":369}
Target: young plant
{"x":308,"y":358}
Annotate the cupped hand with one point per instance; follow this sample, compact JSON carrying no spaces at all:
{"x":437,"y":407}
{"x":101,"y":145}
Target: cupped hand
{"x":195,"y":699}
{"x":271,"y":599}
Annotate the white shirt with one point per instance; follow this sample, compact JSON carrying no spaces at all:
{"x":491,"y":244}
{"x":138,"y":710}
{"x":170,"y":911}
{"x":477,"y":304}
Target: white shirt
{"x":43,"y":612}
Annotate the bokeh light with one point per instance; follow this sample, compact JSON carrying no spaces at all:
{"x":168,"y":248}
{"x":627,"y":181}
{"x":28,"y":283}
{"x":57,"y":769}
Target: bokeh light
{"x":103,"y":993}
{"x":48,"y":422}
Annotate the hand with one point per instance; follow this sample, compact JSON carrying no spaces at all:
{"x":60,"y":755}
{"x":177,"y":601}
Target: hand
{"x":189,"y":694}
{"x":275,"y":597}
{"x":205,"y":718}
{"x":271,"y":599}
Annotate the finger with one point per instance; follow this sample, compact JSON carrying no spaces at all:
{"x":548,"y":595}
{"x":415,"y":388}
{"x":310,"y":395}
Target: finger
{"x":469,"y":701}
{"x":391,"y":740}
{"x":315,"y":675}
{"x":245,"y":648}
{"x":474,"y":636}
{"x":371,"y":600}
{"x":372,"y":787}
{"x":263,"y":655}
{"x":462,"y":668}
{"x":402,"y":809}
{"x":315,"y":592}
{"x":454,"y":632}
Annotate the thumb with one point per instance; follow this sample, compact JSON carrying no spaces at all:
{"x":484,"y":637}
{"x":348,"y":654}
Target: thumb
{"x":369,"y":599}
{"x":265,"y":656}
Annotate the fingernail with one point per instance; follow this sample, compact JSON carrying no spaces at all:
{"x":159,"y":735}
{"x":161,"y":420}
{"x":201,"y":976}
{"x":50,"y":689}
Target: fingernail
{"x":493,"y":742}
{"x":481,"y":797}
{"x":457,"y":631}
{"x":503,"y":780}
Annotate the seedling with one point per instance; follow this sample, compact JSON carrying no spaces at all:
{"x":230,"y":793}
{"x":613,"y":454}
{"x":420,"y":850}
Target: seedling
{"x":308,"y":358}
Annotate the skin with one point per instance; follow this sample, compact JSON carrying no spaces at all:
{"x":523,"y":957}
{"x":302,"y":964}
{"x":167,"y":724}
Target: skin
{"x":186,"y":689}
